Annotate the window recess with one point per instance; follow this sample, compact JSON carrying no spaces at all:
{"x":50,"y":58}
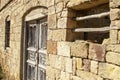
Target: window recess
{"x":93,"y":25}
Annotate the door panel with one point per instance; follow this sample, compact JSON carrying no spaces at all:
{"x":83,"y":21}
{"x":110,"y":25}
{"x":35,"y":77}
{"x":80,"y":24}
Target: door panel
{"x":36,"y":50}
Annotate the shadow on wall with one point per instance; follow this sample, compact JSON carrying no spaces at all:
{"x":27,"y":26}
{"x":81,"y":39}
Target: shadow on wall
{"x":2,"y":76}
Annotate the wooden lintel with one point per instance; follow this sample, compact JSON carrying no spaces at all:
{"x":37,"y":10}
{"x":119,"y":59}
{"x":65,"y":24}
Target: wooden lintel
{"x":92,"y":16}
{"x":103,"y":29}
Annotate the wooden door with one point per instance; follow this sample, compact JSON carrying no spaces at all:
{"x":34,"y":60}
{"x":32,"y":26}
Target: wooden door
{"x":36,"y":49}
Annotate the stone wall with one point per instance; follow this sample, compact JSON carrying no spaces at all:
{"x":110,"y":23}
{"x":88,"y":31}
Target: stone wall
{"x":67,"y":58}
{"x":11,"y":58}
{"x":70,"y":59}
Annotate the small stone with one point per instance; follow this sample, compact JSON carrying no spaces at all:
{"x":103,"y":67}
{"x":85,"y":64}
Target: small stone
{"x":94,"y":67}
{"x":97,"y":52}
{"x":113,"y":57}
{"x":115,"y":14}
{"x":79,"y":63}
{"x":63,"y":49}
{"x":68,"y":65}
{"x":109,"y":71}
{"x":79,"y":49}
{"x":51,"y":47}
{"x":86,"y":64}
{"x":88,"y":75}
{"x":52,"y":20}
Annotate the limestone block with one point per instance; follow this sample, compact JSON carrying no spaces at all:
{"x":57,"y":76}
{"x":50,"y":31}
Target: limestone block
{"x":51,"y":47}
{"x":113,"y":57}
{"x":59,"y":7}
{"x":64,"y":76}
{"x":86,"y":64}
{"x":62,"y":23}
{"x":94,"y":67}
{"x":51,"y":10}
{"x":114,"y":3}
{"x":68,"y":65}
{"x":63,"y":49}
{"x":57,"y":1}
{"x":50,"y":2}
{"x":66,"y":23}
{"x":115,"y":24}
{"x":59,"y":35}
{"x":115,"y":14}
{"x":57,"y":74}
{"x":87,"y":75}
{"x":109,"y":71}
{"x":113,"y":36}
{"x":49,"y":37}
{"x":74,"y":64}
{"x":114,"y":48}
{"x":79,"y":49}
{"x":97,"y":52}
{"x":50,"y":72}
{"x":52,"y":59}
{"x":79,"y":63}
{"x":60,"y":63}
{"x":52,"y":20}
{"x":76,"y":78}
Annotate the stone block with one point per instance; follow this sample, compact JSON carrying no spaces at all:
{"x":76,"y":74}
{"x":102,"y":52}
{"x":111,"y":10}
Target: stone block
{"x":87,"y":75}
{"x":79,"y":63}
{"x":52,"y":59}
{"x":115,"y":24}
{"x":94,"y":67}
{"x":52,"y":47}
{"x":97,"y":52}
{"x":109,"y":71}
{"x":113,"y":48}
{"x":59,"y":35}
{"x":50,"y":3}
{"x":52,"y":20}
{"x":68,"y":65}
{"x":86,"y":64}
{"x":49,"y":37}
{"x":74,"y":64}
{"x":68,"y":13}
{"x":62,"y":23}
{"x":50,"y":72}
{"x":59,"y":7}
{"x":60,"y":63}
{"x":114,"y":3}
{"x":76,"y":78}
{"x":113,"y":57}
{"x":63,"y":49}
{"x":113,"y":36}
{"x":115,"y":14}
{"x":51,"y":10}
{"x":64,"y":76}
{"x":57,"y":1}
{"x":79,"y":49}
{"x":57,"y":74}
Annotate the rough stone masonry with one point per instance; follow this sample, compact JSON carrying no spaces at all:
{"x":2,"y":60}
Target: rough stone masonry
{"x":70,"y":55}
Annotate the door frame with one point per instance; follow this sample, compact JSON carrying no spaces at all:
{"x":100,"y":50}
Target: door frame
{"x":24,"y":48}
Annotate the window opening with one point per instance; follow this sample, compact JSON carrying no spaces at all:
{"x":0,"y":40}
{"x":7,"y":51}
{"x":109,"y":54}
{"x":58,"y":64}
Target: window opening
{"x":7,"y":33}
{"x":94,"y":24}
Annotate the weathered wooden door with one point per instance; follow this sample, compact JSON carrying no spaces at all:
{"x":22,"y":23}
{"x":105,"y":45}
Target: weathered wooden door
{"x":36,"y":49}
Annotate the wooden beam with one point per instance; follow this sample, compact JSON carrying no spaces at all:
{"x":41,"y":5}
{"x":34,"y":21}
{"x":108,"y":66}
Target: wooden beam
{"x":92,"y":16}
{"x":103,"y":29}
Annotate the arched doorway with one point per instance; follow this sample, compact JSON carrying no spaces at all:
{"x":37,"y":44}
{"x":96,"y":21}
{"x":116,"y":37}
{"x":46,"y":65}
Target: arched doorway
{"x":35,"y":41}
